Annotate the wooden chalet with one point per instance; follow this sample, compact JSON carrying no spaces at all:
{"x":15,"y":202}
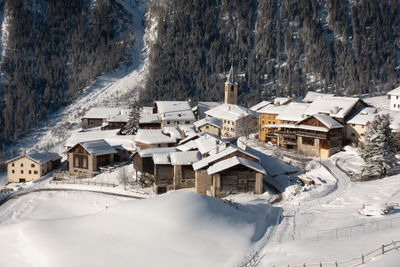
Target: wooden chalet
{"x":204,"y":180}
{"x":85,"y":158}
{"x":319,"y":136}
{"x":143,"y":163}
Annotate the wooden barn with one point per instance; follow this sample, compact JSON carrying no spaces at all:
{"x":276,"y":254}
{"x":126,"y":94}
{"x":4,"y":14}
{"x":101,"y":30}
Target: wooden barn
{"x":163,"y":173}
{"x":236,"y":175}
{"x":144,"y":165}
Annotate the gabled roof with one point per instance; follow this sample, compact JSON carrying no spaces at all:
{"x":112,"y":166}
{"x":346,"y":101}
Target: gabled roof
{"x":39,"y":157}
{"x":311,"y":96}
{"x":208,"y":142}
{"x":202,"y":107}
{"x":106,"y":113}
{"x":282,"y":100}
{"x":149,"y":152}
{"x":327,"y":105}
{"x":147,"y":116}
{"x":209,"y":120}
{"x":184,"y":158}
{"x":234,"y":161}
{"x":175,"y":110}
{"x":162,"y":158}
{"x":293,"y":112}
{"x":191,"y":145}
{"x":191,"y":137}
{"x":260,"y":105}
{"x":230,"y":112}
{"x":272,"y":109}
{"x":329,"y":122}
{"x":173,"y":132}
{"x":187,"y":129}
{"x":96,"y":147}
{"x":367,"y":114}
{"x":227,"y":151}
{"x":395,"y":91}
{"x":151,"y":137}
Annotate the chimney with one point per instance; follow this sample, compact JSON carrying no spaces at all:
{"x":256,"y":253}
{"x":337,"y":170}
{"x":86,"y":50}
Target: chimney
{"x":335,"y":110}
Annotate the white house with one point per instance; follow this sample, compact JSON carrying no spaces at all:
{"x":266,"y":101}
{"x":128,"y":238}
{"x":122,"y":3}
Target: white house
{"x":174,"y":112}
{"x":395,"y":99}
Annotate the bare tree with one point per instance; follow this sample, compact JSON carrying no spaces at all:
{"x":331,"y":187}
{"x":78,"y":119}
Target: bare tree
{"x":124,"y":178}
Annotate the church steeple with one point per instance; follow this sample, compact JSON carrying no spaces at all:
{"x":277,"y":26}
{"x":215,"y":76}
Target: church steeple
{"x":231,"y":88}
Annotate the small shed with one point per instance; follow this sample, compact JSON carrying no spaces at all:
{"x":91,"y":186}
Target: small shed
{"x":209,"y":125}
{"x":163,"y":173}
{"x":184,"y":175}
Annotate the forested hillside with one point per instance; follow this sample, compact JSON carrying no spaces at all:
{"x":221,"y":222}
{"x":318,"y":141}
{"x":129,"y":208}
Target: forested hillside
{"x":279,"y":47}
{"x":52,"y":50}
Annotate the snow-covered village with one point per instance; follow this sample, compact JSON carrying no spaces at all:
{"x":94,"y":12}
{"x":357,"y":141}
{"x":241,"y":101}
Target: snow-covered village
{"x":132,"y":171}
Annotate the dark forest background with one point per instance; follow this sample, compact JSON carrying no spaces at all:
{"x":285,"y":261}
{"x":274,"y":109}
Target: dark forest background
{"x":54,"y":49}
{"x":278,"y":47}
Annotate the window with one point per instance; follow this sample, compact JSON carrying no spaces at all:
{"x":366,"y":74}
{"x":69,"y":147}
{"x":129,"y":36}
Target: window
{"x":12,"y":164}
{"x":207,"y":127}
{"x":76,"y":161}
{"x":233,"y":123}
{"x":362,"y":134}
{"x":35,"y":172}
{"x":313,"y":122}
{"x":232,"y":88}
{"x":30,"y":172}
{"x":33,"y":165}
{"x":13,"y":171}
{"x":353,"y":125}
{"x":262,"y":121}
{"x":22,"y":171}
{"x":307,"y":141}
{"x":168,"y":122}
{"x":187,"y":122}
{"x":397,"y":97}
{"x":84,"y":163}
{"x":353,"y":134}
{"x":362,"y":126}
{"x":22,"y":165}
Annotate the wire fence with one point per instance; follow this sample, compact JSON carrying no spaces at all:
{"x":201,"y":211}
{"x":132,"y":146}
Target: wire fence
{"x":85,"y":182}
{"x":356,"y":261}
{"x":347,"y":232}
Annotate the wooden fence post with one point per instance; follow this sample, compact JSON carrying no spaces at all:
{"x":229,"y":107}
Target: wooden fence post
{"x":383,"y":249}
{"x":336,"y":264}
{"x":320,"y":264}
{"x":362,"y":259}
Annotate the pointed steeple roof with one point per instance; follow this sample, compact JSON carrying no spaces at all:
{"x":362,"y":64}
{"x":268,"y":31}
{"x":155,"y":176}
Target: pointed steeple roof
{"x":231,"y":76}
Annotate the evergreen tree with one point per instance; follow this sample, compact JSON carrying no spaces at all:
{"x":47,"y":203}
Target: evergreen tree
{"x":133,"y":124}
{"x":379,"y":151}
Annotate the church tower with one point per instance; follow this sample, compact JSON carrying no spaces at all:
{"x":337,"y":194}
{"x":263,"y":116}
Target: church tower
{"x":231,"y":89}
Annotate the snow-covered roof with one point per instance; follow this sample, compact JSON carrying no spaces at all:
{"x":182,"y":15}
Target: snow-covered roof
{"x":191,"y":136}
{"x":281,"y":100}
{"x":202,"y":107}
{"x":187,"y":130}
{"x":98,"y":147}
{"x":184,"y":158}
{"x":106,"y":113}
{"x":311,"y":96}
{"x":149,"y":152}
{"x":223,"y":153}
{"x":175,"y":110}
{"x":230,"y":112}
{"x":272,"y":109}
{"x":187,"y":146}
{"x":327,"y":105}
{"x":367,"y":114}
{"x":231,"y":77}
{"x":150,"y":137}
{"x":39,"y":157}
{"x":209,"y":120}
{"x":395,"y":91}
{"x":147,"y":116}
{"x":112,"y":137}
{"x":329,"y":122}
{"x":207,"y":142}
{"x":260,"y":105}
{"x":173,"y":132}
{"x":161,"y":158}
{"x":293,"y":112}
{"x":234,"y":161}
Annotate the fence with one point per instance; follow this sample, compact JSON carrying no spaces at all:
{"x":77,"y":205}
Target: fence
{"x":348,"y":232}
{"x":84,"y":182}
{"x":357,"y":261}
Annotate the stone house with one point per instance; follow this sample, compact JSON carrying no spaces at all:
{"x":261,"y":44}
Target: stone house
{"x":209,"y":125}
{"x":236,"y":120}
{"x":174,"y":112}
{"x":267,"y":121}
{"x":85,"y":158}
{"x":31,"y":166}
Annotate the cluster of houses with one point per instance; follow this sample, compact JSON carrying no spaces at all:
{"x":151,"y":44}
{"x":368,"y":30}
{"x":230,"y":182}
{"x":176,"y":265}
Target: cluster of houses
{"x":178,"y":146}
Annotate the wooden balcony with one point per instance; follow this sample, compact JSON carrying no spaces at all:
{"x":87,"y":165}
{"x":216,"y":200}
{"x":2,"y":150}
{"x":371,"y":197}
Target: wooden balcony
{"x":317,"y":135}
{"x":288,"y":135}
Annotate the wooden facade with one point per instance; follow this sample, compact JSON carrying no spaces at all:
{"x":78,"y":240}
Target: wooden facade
{"x":144,"y":167}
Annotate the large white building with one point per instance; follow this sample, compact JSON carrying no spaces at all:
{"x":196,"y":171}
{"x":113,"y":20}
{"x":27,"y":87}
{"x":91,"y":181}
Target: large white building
{"x":395,"y":99}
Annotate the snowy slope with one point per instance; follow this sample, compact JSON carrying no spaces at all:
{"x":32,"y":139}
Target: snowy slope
{"x":177,"y":229}
{"x":113,"y":89}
